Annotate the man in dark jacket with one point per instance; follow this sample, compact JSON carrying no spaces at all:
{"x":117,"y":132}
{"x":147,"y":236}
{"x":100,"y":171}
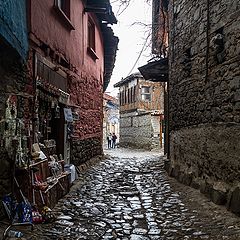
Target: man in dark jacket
{"x":114,"y":138}
{"x":109,"y":140}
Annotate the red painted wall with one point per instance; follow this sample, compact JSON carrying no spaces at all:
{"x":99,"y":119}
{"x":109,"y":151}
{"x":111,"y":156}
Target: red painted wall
{"x":85,"y":74}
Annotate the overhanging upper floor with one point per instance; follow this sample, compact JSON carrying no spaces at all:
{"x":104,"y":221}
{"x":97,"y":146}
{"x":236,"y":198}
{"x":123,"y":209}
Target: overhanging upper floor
{"x":156,"y":71}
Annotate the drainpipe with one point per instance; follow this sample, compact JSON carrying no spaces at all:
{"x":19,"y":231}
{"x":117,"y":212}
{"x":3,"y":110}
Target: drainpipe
{"x":166,"y":119}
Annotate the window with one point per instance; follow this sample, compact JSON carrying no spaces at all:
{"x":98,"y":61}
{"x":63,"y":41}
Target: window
{"x":91,"y":35}
{"x":64,"y":5}
{"x":134,"y":94}
{"x":128,"y":96}
{"x":145,"y":94}
{"x":131,"y":94}
{"x":121,"y":98}
{"x":63,"y":9}
{"x":91,"y":39}
{"x":125,"y":96}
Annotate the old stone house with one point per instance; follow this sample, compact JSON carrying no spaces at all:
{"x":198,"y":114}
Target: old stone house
{"x":56,"y":61}
{"x":141,"y":112}
{"x":204,"y":85}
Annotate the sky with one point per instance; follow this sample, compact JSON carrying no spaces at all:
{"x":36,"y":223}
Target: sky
{"x":132,"y":39}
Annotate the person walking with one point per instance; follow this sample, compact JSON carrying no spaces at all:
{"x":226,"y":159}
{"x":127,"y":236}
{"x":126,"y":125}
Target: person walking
{"x":109,"y":140}
{"x":114,"y":139}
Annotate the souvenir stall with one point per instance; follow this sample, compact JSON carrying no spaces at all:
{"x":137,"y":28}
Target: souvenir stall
{"x":51,"y":136}
{"x":51,"y":182}
{"x":36,"y":131}
{"x":40,"y":178}
{"x":15,"y":135}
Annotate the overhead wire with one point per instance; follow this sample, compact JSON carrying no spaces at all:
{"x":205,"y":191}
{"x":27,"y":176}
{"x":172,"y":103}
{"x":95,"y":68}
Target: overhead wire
{"x":140,"y":54}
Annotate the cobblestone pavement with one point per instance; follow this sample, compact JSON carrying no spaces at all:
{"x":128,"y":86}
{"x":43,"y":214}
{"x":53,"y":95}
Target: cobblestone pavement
{"x":128,"y":196}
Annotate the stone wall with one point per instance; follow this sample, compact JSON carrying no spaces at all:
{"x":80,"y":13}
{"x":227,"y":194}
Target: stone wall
{"x":137,"y":131}
{"x":88,"y":132}
{"x":204,"y":91}
{"x":84,"y":150}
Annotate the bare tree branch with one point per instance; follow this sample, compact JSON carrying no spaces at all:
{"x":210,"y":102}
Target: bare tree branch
{"x":123,"y":5}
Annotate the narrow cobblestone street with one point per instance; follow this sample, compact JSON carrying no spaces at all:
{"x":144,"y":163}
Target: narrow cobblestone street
{"x":129,"y":196}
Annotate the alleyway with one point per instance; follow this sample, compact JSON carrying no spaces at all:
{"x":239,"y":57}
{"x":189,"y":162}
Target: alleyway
{"x":129,"y":196}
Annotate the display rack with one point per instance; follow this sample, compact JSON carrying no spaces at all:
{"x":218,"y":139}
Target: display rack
{"x":43,"y":184}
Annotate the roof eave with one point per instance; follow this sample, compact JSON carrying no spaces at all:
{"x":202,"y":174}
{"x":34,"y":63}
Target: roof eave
{"x":156,"y":71}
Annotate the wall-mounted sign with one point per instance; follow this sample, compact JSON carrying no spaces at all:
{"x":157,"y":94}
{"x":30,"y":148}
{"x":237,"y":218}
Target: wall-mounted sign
{"x":75,"y":116}
{"x":64,"y":97}
{"x":68,"y":114}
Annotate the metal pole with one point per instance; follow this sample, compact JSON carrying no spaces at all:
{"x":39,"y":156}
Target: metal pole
{"x":161,"y":131}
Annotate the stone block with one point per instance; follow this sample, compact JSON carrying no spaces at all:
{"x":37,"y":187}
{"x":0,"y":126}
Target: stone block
{"x":167,"y":165}
{"x":219,"y":193}
{"x":170,"y":171}
{"x":234,"y":204}
{"x":176,"y":171}
{"x":237,"y":106}
{"x":218,"y":197}
{"x":236,"y":97}
{"x":195,"y":183}
{"x":187,"y":179}
{"x":234,"y":83}
{"x":206,"y":188}
{"x":180,"y":176}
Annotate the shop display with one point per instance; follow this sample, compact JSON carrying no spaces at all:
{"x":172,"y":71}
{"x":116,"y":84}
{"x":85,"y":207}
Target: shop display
{"x":36,"y":148}
{"x":19,"y":212}
{"x":45,"y":181}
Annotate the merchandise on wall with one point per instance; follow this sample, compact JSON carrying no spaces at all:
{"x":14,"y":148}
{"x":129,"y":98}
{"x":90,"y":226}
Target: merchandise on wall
{"x":38,"y":149}
{"x":48,"y":153}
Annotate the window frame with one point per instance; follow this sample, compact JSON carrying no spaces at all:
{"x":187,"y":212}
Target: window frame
{"x":121,"y":98}
{"x":91,"y":38}
{"x":64,"y":5}
{"x":134,"y":93}
{"x":64,"y":12}
{"x":147,"y":94}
